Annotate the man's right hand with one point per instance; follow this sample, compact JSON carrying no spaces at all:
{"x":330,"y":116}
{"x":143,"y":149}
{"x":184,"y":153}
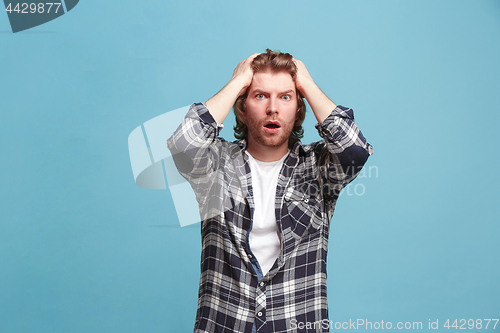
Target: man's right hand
{"x":220,"y":105}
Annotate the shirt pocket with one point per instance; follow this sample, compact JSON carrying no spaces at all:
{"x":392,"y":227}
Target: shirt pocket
{"x":304,"y":205}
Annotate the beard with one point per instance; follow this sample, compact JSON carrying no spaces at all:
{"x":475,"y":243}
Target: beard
{"x":260,"y":136}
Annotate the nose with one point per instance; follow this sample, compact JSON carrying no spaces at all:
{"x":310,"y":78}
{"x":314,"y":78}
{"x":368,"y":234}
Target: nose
{"x":272,"y":106}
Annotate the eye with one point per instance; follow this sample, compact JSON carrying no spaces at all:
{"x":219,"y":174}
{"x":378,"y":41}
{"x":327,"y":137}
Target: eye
{"x":259,"y":96}
{"x":286,"y":97}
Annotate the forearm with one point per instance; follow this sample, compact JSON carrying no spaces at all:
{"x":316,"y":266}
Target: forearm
{"x":335,"y":124}
{"x":220,"y":105}
{"x":321,"y":105}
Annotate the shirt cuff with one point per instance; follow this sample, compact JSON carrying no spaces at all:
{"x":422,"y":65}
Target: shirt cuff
{"x":339,"y":112}
{"x":205,"y":116}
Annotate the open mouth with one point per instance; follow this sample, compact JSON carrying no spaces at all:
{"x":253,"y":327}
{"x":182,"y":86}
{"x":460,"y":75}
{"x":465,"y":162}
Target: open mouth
{"x":272,"y":127}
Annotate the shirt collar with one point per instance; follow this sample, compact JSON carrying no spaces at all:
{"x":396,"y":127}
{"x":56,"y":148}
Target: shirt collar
{"x":297,"y":149}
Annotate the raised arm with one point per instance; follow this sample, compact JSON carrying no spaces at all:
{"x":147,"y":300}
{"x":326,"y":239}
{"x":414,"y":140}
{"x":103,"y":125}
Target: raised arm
{"x":346,"y":148}
{"x":321,"y":105}
{"x":220,"y":105}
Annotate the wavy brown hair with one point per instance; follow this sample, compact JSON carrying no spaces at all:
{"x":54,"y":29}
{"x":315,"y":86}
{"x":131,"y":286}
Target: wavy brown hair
{"x":272,"y":62}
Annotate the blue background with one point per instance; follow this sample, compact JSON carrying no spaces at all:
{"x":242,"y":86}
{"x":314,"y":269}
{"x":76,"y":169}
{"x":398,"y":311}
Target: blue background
{"x":84,"y":249}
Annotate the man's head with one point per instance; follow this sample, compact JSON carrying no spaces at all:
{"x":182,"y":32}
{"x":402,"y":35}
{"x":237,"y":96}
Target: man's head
{"x":271,"y":96}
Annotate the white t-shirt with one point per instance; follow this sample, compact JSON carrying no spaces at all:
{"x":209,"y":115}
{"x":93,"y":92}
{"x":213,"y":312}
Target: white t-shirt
{"x":264,"y":238}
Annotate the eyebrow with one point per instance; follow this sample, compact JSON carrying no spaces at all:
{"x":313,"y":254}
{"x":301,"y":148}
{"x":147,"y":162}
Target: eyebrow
{"x":260,"y":91}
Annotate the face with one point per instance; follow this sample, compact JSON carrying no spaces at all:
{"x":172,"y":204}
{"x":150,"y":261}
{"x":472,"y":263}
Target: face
{"x":271,"y":110}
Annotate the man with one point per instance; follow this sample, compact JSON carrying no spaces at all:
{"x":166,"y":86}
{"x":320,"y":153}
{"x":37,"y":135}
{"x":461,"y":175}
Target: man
{"x":266,"y":200}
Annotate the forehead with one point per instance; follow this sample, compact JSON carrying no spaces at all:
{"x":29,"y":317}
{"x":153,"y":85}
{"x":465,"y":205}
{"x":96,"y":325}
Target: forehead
{"x":269,"y":82}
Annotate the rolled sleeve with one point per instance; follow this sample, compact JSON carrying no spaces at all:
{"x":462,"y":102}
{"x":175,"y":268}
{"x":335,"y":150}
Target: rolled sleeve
{"x":345,"y":143}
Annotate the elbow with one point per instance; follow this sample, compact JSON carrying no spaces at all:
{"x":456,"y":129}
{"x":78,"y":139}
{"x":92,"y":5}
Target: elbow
{"x":183,"y":162}
{"x":353,"y":159}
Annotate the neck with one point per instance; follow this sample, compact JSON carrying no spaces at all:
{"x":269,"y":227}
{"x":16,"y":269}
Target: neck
{"x":266,"y":154}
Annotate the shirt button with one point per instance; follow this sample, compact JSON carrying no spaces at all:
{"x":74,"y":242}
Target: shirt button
{"x":259,"y":314}
{"x":306,"y":201}
{"x":262,"y":284}
{"x":250,"y":256}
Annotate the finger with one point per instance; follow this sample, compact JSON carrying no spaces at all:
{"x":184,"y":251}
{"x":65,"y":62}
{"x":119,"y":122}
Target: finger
{"x":298,"y":62}
{"x":250,"y":59}
{"x":254,"y":55}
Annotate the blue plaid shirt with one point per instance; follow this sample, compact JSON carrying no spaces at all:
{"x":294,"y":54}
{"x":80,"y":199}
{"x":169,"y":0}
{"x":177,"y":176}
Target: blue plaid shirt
{"x":233,"y":296}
